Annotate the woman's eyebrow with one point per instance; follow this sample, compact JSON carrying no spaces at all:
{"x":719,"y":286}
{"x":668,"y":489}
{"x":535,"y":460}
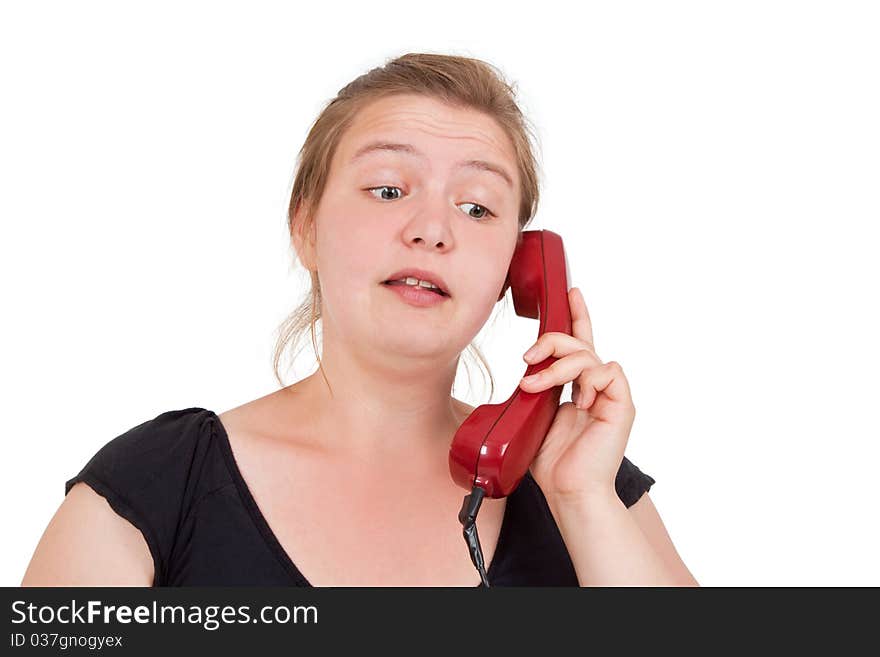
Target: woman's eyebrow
{"x":410,"y":150}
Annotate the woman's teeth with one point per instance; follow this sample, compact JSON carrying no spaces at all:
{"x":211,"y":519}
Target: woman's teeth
{"x":415,"y":281}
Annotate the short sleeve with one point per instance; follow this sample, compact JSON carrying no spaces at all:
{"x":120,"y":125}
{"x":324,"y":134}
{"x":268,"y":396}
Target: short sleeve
{"x":631,"y":483}
{"x":144,"y":474}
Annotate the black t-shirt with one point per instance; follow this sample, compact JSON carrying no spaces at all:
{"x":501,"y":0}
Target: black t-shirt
{"x":175,"y":478}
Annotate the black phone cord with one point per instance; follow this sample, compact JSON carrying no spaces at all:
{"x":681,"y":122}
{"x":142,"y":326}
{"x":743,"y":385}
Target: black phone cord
{"x":468,"y":518}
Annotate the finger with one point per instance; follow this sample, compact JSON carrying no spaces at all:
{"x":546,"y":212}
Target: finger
{"x":581,"y":326}
{"x":554,"y":343}
{"x":608,"y":379}
{"x":566,"y":369}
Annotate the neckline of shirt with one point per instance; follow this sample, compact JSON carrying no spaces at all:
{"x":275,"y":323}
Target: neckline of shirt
{"x":271,"y":538}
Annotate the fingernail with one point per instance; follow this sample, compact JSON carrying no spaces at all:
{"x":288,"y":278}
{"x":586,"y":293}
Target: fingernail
{"x":531,"y":377}
{"x":531,"y":352}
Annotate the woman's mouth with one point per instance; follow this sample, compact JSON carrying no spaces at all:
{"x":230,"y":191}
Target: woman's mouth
{"x":416,"y":295}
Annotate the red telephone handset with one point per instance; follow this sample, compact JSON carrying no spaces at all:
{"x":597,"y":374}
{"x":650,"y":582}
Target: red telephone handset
{"x":495,"y":445}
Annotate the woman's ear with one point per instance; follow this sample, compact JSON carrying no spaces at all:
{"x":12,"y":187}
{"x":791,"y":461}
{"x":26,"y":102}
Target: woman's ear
{"x":303,"y":237}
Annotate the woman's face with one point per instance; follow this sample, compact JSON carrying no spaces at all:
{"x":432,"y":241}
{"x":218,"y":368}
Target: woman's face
{"x":427,"y":209}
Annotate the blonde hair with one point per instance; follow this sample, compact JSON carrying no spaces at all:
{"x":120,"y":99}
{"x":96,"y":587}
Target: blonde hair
{"x":458,"y":81}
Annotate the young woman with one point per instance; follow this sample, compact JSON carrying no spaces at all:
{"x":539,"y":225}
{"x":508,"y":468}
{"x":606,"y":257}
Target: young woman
{"x":422,"y":170}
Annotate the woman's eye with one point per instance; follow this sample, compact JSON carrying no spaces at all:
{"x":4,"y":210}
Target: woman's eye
{"x":383,"y":187}
{"x":484,"y":210}
{"x":482,"y":207}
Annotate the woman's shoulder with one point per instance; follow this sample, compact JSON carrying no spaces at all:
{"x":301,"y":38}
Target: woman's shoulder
{"x":154,"y":473}
{"x":136,"y":457}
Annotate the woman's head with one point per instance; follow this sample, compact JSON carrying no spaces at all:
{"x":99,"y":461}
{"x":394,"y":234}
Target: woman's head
{"x":449,"y":188}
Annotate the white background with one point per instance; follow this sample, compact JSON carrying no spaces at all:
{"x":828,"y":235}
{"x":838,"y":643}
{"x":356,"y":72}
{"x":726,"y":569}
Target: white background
{"x":713,"y":168}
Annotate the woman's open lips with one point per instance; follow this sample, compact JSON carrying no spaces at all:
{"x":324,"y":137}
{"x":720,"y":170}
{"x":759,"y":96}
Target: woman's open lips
{"x":415,"y":295}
